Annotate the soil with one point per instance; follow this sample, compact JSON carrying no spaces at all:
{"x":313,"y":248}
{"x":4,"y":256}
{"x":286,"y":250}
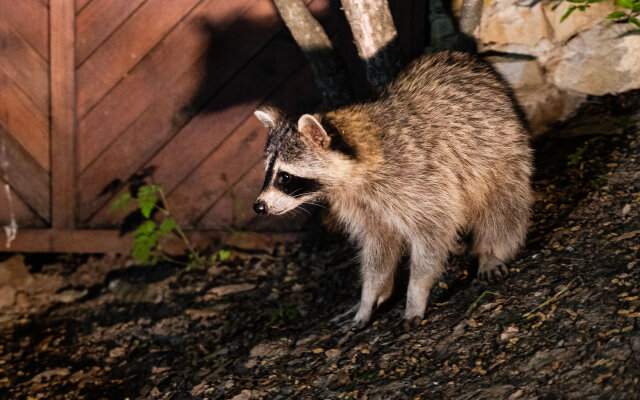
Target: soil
{"x":565,"y":323}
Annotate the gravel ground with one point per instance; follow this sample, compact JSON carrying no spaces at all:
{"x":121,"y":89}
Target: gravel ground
{"x":565,"y":324}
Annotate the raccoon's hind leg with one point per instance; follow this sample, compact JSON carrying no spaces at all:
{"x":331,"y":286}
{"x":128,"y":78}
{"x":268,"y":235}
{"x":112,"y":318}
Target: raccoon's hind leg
{"x":381,"y":251}
{"x":498,"y":233}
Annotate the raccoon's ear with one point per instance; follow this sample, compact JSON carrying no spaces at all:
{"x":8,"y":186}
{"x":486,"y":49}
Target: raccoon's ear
{"x":268,"y":116}
{"x":309,"y":127}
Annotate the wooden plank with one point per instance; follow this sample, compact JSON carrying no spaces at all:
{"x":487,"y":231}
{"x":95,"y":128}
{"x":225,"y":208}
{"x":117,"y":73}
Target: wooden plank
{"x":97,"y":21}
{"x":63,"y":172}
{"x":31,"y":18}
{"x":126,"y":47}
{"x":22,"y":64}
{"x":150,"y":132}
{"x":182,"y":50}
{"x":235,"y":208}
{"x":81,"y":4}
{"x":23,"y":215}
{"x":288,"y":97}
{"x":209,"y":181}
{"x":30,"y":181}
{"x":22,"y":118}
{"x":110,"y":241}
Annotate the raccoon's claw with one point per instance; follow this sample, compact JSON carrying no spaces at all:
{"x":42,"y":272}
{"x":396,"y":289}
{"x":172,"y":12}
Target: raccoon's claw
{"x":492,"y":270}
{"x":344,"y":319}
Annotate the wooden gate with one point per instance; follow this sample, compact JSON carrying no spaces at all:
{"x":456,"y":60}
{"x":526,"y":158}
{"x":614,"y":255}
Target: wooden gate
{"x":98,"y":94}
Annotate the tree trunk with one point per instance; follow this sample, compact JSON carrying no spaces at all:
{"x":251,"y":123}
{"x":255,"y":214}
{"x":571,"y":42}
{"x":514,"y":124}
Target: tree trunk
{"x":470,"y":16}
{"x":376,"y":39}
{"x":328,"y":69}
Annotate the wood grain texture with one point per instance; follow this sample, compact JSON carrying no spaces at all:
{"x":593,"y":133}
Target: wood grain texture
{"x":63,"y":170}
{"x":181,"y":51}
{"x":110,"y":241}
{"x":80,"y":4}
{"x":149,"y":134}
{"x":234,"y":209}
{"x":126,"y":47}
{"x":22,"y":64}
{"x":31,"y":19}
{"x":27,"y":178}
{"x":24,"y":216}
{"x":24,"y":120}
{"x":97,"y":21}
{"x":210,"y":180}
{"x":298,"y":86}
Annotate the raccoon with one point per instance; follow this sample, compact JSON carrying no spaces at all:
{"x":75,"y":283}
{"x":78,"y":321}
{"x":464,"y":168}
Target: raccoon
{"x":443,"y":150}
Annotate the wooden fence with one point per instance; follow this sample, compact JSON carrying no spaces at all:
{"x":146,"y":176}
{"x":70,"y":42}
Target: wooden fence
{"x":100,"y":95}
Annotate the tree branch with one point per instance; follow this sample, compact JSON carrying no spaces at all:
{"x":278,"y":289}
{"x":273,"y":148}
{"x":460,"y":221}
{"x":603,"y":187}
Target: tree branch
{"x":328,"y":69}
{"x":470,"y":16}
{"x":376,"y":39}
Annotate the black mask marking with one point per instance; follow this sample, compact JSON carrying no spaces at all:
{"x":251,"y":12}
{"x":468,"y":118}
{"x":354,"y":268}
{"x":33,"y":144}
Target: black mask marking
{"x":269,"y":175}
{"x":295,"y":186}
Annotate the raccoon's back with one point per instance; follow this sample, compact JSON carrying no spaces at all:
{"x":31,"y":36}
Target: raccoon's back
{"x":452,"y":90}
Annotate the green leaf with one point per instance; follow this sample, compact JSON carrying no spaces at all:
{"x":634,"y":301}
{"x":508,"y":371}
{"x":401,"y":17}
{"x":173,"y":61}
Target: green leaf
{"x":145,"y":229}
{"x":569,"y":12}
{"x":636,"y":7}
{"x":121,"y":203}
{"x":166,"y":226}
{"x":635,"y":21}
{"x":625,"y":3}
{"x":147,"y":204}
{"x":582,"y":8}
{"x":223,"y":255}
{"x":617,"y":14}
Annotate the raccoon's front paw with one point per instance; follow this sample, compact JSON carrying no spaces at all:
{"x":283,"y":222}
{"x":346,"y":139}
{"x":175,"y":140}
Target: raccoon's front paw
{"x":362,"y":318}
{"x":491,"y":269}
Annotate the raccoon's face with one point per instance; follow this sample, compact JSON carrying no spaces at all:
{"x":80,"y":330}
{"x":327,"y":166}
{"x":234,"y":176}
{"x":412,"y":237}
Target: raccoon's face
{"x":293,"y":163}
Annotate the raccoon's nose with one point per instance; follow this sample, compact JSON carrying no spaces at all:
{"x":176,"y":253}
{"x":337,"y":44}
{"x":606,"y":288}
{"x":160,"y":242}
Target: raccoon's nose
{"x":260,"y":207}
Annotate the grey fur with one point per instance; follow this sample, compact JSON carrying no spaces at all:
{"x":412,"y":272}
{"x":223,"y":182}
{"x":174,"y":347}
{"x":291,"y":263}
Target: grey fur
{"x":445,"y":149}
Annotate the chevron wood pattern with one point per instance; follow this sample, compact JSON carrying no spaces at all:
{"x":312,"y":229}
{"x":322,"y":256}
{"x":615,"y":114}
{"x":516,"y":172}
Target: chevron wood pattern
{"x":96,"y":94}
{"x":24,"y":113}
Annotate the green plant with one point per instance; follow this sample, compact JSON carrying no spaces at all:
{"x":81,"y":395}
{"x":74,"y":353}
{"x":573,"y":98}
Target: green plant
{"x":573,"y":159}
{"x":631,"y":15}
{"x":146,"y":246}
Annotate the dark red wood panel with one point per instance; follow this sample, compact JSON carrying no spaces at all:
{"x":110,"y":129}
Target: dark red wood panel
{"x":222,"y":115}
{"x":126,"y":47}
{"x":97,"y":21}
{"x":31,"y":19}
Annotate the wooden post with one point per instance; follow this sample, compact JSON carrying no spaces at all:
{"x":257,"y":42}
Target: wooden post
{"x":63,"y":109}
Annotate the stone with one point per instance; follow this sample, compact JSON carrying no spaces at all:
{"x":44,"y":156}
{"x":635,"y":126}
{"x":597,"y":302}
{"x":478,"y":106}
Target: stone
{"x":14,"y":273}
{"x":546,"y":357}
{"x":602,"y":60}
{"x":231,"y":289}
{"x":520,"y":72}
{"x":7,"y":296}
{"x":509,"y":21}
{"x":579,"y":21}
{"x":271,"y":349}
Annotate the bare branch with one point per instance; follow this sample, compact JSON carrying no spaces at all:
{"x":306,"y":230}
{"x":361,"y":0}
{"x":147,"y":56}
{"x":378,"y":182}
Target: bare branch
{"x":470,"y":16}
{"x":376,"y":39}
{"x":328,"y":69}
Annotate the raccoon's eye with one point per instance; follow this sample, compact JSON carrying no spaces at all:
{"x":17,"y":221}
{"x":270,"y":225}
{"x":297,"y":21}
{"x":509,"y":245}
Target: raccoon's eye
{"x":284,"y":177}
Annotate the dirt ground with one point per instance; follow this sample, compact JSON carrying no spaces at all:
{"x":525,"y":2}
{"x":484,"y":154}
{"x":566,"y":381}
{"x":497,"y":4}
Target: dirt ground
{"x":565,"y":324}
